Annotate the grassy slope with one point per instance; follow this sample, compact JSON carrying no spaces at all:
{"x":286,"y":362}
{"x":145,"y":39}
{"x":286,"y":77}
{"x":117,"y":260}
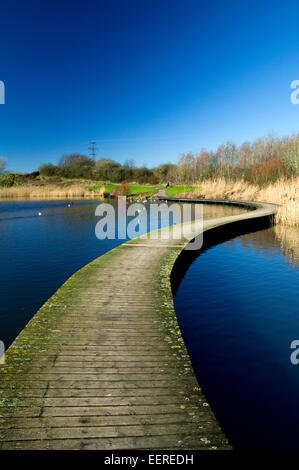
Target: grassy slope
{"x":133,"y":189}
{"x":175,"y":190}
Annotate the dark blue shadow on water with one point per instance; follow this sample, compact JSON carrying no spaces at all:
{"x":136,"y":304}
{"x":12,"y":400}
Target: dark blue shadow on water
{"x":237,"y":306}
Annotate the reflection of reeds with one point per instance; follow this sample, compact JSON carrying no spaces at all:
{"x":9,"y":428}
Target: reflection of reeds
{"x":289,"y":242}
{"x":288,"y":214}
{"x":284,"y":192}
{"x":50,"y":192}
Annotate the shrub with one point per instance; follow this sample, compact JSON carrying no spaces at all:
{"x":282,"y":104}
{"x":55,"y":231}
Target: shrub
{"x":106,"y":169}
{"x":123,"y":189}
{"x":49,"y":170}
{"x":266,"y":173}
{"x":9,"y":179}
{"x":76,"y":165}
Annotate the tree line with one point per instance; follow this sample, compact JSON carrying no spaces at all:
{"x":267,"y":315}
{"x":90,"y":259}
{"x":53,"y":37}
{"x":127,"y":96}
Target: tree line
{"x":261,"y":162}
{"x":105,"y":169}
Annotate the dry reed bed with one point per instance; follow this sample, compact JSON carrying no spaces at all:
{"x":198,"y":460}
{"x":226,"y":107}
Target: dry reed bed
{"x":283,"y":192}
{"x":50,"y":192}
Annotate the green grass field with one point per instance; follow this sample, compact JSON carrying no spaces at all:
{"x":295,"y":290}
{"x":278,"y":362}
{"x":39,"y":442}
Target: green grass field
{"x":175,"y":190}
{"x":133,"y":189}
{"x":141,"y":189}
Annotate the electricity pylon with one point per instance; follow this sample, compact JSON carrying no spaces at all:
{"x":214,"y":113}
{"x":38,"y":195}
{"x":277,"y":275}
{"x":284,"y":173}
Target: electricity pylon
{"x":92,"y":148}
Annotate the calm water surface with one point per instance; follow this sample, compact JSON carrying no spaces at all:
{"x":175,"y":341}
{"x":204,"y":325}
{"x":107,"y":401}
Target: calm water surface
{"x":238,"y":310}
{"x":39,"y":253}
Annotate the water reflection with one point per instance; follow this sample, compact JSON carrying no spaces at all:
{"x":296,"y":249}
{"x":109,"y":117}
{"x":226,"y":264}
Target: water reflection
{"x":279,"y":240}
{"x":211,"y":211}
{"x":238,"y":310}
{"x":289,"y":242}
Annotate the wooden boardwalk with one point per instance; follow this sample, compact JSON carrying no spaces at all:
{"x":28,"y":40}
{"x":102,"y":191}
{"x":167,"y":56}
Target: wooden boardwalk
{"x":102,"y":365}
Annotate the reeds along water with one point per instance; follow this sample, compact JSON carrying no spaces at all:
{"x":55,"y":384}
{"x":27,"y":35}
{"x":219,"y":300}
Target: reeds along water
{"x":284,"y":192}
{"x":50,"y":192}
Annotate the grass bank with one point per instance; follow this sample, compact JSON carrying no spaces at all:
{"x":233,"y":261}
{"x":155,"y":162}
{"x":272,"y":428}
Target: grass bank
{"x":131,"y":190}
{"x":284,"y":192}
{"x":172,"y":191}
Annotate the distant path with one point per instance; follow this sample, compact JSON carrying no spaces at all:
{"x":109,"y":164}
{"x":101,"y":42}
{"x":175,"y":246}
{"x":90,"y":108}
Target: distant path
{"x":161,"y":193}
{"x":102,"y":365}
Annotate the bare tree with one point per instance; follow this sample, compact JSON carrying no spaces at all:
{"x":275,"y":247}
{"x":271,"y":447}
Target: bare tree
{"x":2,"y":165}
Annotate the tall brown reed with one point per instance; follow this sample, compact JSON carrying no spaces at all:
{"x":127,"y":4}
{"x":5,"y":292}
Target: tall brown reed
{"x":50,"y":192}
{"x":284,"y":192}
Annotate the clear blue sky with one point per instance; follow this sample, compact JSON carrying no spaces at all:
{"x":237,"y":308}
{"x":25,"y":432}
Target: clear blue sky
{"x":146,"y":79}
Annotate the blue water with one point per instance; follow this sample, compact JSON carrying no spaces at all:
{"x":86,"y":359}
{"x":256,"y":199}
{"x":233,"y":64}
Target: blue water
{"x":238,"y":310}
{"x":39,"y":253}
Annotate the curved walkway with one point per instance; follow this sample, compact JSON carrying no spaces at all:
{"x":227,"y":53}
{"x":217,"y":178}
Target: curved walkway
{"x":102,"y":365}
